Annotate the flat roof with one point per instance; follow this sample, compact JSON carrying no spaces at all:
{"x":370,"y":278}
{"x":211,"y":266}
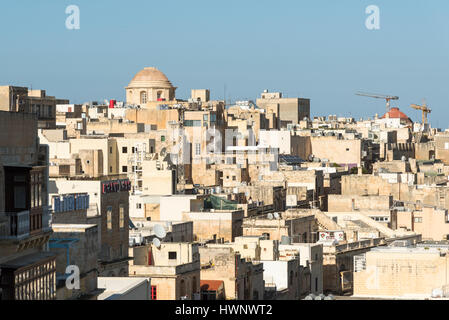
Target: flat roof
{"x":72,"y":226}
{"x":27,"y":260}
{"x":422,"y":250}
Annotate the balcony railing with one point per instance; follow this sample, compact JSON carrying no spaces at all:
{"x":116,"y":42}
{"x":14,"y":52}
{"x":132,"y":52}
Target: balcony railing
{"x":17,"y":225}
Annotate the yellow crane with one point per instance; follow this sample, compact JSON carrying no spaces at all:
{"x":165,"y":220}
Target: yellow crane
{"x":425,"y":110}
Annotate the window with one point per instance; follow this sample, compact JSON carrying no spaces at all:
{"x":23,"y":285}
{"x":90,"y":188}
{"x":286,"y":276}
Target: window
{"x":20,"y":197}
{"x":205,"y":117}
{"x":172,"y":255}
{"x":32,"y":191}
{"x":110,"y":149}
{"x":40,"y":189}
{"x":110,"y":169}
{"x":124,"y":149}
{"x":138,"y":206}
{"x":122,"y":216}
{"x":347,"y":149}
{"x":245,"y":246}
{"x":36,"y":191}
{"x":109,"y":218}
{"x":162,"y":139}
{"x":125,"y":169}
{"x":418,"y":219}
{"x":192,"y":123}
{"x":197,"y":149}
{"x":233,"y":178}
{"x":153,"y":293}
{"x":143,"y":97}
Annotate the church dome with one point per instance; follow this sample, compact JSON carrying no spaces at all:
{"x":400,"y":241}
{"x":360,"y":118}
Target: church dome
{"x":395,"y":113}
{"x":150,"y":77}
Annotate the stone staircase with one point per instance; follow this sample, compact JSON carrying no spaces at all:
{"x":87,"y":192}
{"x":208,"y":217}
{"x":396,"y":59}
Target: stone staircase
{"x":326,"y":223}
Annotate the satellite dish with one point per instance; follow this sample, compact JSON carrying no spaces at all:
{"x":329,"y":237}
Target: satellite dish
{"x":311,"y":297}
{"x":270,"y":216}
{"x":157,"y":243}
{"x":276,"y":215}
{"x":159,"y":231}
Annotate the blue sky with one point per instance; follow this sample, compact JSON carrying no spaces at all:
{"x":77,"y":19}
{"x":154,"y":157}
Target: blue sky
{"x":319,"y":49}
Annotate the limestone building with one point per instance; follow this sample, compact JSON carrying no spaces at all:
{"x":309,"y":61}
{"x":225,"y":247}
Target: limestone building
{"x":287,"y":110}
{"x":174,"y":269}
{"x":149,"y":85}
{"x":21,"y":99}
{"x":25,"y":224}
{"x":402,"y":272}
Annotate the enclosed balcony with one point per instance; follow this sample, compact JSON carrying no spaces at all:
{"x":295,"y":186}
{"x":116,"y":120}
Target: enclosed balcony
{"x":15,"y":225}
{"x":26,"y":213}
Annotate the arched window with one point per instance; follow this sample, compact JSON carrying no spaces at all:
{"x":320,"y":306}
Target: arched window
{"x":183,"y":288}
{"x":159,"y":94}
{"x":194,"y":289}
{"x":255,"y":295}
{"x":143,"y":97}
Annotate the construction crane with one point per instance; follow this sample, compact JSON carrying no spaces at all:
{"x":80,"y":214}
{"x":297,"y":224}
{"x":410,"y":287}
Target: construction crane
{"x":425,"y":110}
{"x":379,"y":96}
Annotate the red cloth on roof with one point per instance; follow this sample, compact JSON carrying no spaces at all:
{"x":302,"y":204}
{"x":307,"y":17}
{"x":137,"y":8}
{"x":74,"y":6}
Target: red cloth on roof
{"x":210,"y":285}
{"x":395,"y":113}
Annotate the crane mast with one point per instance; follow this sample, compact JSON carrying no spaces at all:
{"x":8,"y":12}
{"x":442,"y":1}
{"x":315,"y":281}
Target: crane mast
{"x":424,"y":109}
